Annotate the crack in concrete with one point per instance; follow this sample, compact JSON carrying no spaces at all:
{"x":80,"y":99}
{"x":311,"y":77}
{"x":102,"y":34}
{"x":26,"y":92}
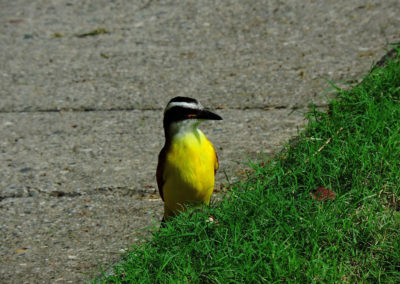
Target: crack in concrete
{"x":122,"y":190}
{"x":264,"y":107}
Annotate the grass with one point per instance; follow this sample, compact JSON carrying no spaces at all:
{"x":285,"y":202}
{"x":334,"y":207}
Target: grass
{"x":269,"y":228}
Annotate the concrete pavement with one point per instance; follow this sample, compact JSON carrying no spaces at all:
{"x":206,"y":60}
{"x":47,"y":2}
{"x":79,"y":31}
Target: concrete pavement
{"x":83,"y":84}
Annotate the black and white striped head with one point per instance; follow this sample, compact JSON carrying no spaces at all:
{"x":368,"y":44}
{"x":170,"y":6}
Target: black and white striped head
{"x":185,"y":112}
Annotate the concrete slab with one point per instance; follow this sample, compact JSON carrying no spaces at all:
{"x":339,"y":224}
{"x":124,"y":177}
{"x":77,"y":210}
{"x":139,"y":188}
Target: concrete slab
{"x":83,"y":84}
{"x":72,"y":152}
{"x":233,"y":54}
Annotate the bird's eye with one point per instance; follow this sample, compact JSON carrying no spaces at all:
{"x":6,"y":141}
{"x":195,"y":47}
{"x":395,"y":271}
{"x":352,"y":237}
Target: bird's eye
{"x":191,"y":115}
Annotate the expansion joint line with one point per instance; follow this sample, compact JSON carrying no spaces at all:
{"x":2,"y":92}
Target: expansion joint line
{"x":65,"y":110}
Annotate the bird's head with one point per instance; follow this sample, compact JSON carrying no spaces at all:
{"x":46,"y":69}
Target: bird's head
{"x":185,"y":114}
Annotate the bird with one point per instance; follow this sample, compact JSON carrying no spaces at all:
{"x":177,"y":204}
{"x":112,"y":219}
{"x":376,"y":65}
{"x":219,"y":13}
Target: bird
{"x":188,"y":161}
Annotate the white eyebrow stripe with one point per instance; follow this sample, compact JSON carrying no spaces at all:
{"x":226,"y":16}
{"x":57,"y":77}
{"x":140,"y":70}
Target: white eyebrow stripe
{"x":184,"y":104}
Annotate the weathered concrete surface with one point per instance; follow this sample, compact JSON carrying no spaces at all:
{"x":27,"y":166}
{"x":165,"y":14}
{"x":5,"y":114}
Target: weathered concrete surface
{"x":77,"y":185}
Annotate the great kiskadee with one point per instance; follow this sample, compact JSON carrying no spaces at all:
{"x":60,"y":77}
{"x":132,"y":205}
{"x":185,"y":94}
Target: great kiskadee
{"x":187,"y":163}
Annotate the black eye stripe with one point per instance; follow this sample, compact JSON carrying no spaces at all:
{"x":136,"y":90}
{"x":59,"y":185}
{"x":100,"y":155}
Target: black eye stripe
{"x":178,"y":113}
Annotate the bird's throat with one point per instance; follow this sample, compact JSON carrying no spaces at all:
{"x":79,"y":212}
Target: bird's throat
{"x":180,"y":129}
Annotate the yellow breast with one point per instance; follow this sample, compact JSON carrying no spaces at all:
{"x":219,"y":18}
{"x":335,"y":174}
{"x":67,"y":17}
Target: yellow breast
{"x":189,"y":171}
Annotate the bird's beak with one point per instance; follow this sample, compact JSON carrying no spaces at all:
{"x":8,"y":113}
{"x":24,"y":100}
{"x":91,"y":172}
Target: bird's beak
{"x":206,"y":114}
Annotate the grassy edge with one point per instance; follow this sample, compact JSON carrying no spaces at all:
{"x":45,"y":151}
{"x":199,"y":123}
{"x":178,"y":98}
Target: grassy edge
{"x":353,"y":227}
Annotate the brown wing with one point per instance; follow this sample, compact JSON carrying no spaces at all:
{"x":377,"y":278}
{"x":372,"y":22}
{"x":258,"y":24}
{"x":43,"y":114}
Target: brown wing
{"x":160,"y":171}
{"x":216,"y":165}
